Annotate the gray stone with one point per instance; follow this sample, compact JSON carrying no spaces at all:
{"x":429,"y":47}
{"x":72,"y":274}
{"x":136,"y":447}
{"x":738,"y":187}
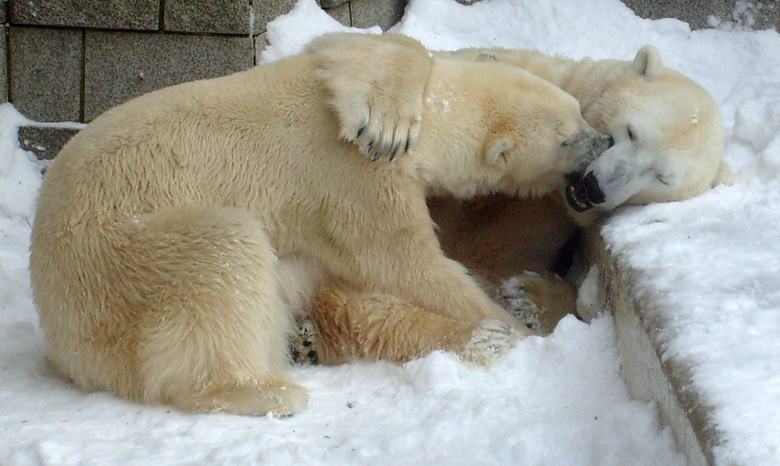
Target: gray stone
{"x":385,"y":13}
{"x":757,"y":14}
{"x":44,"y":142}
{"x":3,"y":67}
{"x":341,"y":14}
{"x":45,"y":73}
{"x":266,"y":11}
{"x":332,"y":3}
{"x":3,"y":11}
{"x":215,"y":16}
{"x":121,"y":14}
{"x":122,"y":65}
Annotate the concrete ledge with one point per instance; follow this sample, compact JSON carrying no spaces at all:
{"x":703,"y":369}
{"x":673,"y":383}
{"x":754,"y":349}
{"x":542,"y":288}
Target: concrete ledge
{"x":650,"y":377}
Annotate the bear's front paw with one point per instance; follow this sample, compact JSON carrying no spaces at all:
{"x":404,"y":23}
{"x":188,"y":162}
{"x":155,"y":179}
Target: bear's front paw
{"x":490,"y":340}
{"x":381,"y":130}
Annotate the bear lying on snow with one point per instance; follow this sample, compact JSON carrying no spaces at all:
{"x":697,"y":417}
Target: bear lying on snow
{"x":176,"y":233}
{"x":667,"y":139}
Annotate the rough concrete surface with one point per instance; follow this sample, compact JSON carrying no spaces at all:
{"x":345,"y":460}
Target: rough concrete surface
{"x":385,"y":13}
{"x":214,"y":16}
{"x":119,"y":14}
{"x":44,"y":142}
{"x":120,"y":66}
{"x":758,"y":14}
{"x":341,"y":14}
{"x":45,"y":72}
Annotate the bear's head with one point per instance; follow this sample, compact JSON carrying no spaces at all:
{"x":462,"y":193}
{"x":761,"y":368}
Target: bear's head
{"x":536,"y":135}
{"x":666,"y":135}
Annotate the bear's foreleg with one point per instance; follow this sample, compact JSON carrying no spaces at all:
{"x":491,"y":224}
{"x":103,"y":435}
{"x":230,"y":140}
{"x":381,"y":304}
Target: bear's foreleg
{"x":424,"y":277}
{"x":351,"y":325}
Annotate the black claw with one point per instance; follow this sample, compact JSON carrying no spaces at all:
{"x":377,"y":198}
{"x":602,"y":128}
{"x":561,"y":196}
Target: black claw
{"x":406,"y":149}
{"x":396,"y":148}
{"x":360,"y":131}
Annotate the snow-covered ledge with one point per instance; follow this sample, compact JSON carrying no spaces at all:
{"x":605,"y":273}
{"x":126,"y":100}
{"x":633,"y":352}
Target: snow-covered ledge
{"x":648,"y":376}
{"x":694,"y":291}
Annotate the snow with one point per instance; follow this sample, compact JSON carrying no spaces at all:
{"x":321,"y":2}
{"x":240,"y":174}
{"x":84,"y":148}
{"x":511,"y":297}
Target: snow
{"x":711,"y":262}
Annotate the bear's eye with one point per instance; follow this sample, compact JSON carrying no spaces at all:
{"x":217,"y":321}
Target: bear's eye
{"x":631,"y":135}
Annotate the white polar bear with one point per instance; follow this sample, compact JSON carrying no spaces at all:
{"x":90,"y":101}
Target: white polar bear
{"x":667,"y":144}
{"x":175,"y":233}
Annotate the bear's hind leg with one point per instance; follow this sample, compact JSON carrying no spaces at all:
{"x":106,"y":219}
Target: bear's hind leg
{"x":212,"y":331}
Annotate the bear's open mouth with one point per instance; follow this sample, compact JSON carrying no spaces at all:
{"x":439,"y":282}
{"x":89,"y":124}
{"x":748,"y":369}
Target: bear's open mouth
{"x":582,"y":191}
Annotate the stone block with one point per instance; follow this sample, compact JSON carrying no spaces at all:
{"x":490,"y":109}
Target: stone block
{"x":3,"y":66}
{"x":266,"y":11}
{"x":119,"y":14}
{"x":215,"y":16}
{"x":44,"y":142}
{"x":385,"y":13}
{"x":757,"y":14}
{"x":332,"y":3}
{"x":45,"y":72}
{"x":3,"y":11}
{"x":122,"y":65}
{"x":341,"y":14}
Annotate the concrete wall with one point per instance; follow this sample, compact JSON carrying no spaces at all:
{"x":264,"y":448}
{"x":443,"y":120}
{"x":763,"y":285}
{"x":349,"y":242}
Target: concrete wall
{"x":70,"y":60}
{"x":73,"y":59}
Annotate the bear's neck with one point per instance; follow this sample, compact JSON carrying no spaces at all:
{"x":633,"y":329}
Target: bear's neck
{"x":452,"y":135}
{"x":584,"y":79}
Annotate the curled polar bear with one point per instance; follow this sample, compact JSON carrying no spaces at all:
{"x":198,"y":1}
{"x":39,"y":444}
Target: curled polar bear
{"x":176,"y":233}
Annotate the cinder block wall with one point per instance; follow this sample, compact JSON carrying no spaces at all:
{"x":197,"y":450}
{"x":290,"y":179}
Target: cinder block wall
{"x":70,"y":60}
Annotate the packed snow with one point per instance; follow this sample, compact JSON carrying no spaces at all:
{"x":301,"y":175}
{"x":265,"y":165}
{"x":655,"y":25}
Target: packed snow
{"x":711,"y":261}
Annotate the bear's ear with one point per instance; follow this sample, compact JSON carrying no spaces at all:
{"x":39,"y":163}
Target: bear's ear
{"x":724,"y":175}
{"x":497,"y":149}
{"x":647,"y":62}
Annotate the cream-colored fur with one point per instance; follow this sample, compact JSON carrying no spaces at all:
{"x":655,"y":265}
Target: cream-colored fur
{"x":674,"y":151}
{"x":177,"y":234}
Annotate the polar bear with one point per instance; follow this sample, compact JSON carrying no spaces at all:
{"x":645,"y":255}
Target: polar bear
{"x":666,"y":144}
{"x":176,"y":232}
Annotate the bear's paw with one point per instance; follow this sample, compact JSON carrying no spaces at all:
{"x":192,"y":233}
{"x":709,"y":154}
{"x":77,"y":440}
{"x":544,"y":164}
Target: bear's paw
{"x":490,"y":340}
